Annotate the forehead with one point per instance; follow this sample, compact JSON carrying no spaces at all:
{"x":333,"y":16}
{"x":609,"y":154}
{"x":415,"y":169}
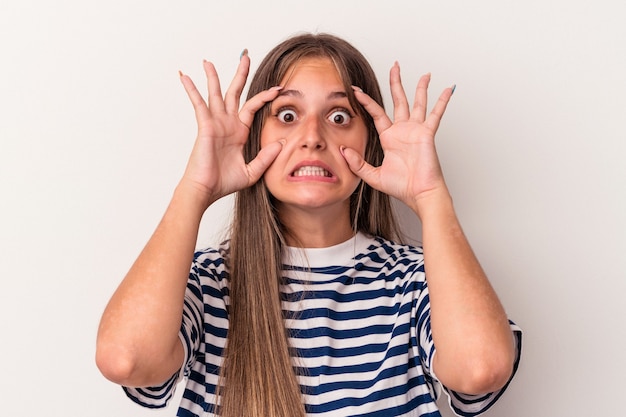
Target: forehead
{"x":312,"y":69}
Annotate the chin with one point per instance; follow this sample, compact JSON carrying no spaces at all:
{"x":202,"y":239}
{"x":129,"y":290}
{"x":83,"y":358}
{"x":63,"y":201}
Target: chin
{"x":313,"y":202}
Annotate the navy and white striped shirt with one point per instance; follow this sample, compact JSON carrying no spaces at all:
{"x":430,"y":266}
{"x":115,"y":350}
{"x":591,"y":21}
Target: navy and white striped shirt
{"x":359,"y":318}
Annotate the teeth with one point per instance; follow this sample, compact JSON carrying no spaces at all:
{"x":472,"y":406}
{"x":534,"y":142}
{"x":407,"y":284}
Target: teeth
{"x":310,"y":171}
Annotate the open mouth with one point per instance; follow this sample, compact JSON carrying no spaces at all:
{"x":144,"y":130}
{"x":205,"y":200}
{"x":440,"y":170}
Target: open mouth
{"x":311,"y":171}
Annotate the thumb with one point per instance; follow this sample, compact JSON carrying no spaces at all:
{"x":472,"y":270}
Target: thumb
{"x":360,"y":167}
{"x":263,"y":160}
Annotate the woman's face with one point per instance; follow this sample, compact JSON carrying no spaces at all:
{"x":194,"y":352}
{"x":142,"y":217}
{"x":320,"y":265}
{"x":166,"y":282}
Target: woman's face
{"x":313,"y":116}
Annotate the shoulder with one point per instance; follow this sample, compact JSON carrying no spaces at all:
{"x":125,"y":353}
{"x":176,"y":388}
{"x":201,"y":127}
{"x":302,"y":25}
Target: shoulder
{"x":394,"y":261}
{"x":211,"y":262}
{"x":212,"y":254}
{"x":384,"y":250}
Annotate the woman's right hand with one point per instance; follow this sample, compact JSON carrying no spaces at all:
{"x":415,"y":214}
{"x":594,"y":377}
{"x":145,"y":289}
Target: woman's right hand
{"x":216,"y":166}
{"x":138,"y":343}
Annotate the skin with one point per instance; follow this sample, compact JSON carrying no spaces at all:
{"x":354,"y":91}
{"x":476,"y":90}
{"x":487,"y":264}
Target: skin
{"x":138,"y":341}
{"x":475,"y":348}
{"x":314,"y":119}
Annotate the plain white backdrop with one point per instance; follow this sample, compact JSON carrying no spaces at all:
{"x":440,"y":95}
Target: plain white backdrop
{"x":95,"y":130}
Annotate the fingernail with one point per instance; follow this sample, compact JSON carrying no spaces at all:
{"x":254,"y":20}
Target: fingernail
{"x":180,"y":73}
{"x":453,"y":89}
{"x":342,"y":149}
{"x":357,"y":89}
{"x":243,"y":53}
{"x":276,"y":88}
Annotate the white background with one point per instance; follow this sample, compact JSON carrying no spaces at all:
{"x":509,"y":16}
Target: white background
{"x":95,"y":130}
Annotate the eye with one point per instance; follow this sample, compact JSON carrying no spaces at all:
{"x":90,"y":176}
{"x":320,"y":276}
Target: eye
{"x":340,"y":117}
{"x":286,"y":115}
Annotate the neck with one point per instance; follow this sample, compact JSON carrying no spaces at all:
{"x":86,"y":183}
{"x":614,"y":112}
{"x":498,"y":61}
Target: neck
{"x":315,"y":228}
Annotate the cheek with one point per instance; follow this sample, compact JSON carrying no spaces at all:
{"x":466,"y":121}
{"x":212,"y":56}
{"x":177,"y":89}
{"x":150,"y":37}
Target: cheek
{"x":360,"y":144}
{"x":359,"y":139}
{"x":268,"y":134}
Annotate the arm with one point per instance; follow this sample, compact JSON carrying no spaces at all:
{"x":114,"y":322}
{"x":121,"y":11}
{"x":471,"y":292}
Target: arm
{"x":474,"y":344}
{"x":471,"y":332}
{"x":138,"y":343}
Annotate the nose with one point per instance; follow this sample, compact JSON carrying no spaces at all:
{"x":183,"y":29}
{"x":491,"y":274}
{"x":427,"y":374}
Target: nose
{"x":312,"y":135}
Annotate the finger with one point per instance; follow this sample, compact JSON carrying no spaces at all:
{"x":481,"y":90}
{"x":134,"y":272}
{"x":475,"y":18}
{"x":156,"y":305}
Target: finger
{"x":215,"y":99}
{"x":436,"y":114}
{"x":421,"y":99}
{"x":400,"y":102}
{"x":199,"y":105}
{"x":233,"y":94}
{"x":361,"y":168}
{"x":263,"y":160}
{"x":381,"y":120}
{"x":250,"y":107}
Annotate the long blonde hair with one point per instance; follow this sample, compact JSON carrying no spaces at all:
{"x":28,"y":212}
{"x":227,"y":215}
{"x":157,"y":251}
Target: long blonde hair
{"x":258,"y":377}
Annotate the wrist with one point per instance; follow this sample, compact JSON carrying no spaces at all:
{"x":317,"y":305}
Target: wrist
{"x":192,"y":196}
{"x":436,"y":202}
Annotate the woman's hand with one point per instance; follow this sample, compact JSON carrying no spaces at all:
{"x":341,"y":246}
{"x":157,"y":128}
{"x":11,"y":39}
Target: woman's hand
{"x":216,"y":166}
{"x":410,"y":169}
{"x":465,"y":310}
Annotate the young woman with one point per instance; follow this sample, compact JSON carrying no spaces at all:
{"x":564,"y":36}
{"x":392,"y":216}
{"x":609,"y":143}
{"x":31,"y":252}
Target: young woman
{"x":313,"y":306}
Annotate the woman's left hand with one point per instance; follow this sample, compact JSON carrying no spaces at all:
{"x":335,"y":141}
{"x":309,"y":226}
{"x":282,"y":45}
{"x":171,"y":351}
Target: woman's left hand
{"x":410,"y":169}
{"x":464,"y":308}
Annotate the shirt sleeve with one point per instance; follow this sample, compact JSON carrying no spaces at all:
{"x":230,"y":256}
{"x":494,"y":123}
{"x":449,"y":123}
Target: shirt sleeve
{"x":463,"y":405}
{"x":189,"y":334}
{"x":473,"y":405}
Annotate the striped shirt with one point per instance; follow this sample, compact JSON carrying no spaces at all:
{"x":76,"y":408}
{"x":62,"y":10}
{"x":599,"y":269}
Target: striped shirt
{"x":362,"y":332}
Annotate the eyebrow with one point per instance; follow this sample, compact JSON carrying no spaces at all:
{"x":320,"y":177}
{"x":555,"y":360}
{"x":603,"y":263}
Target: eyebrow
{"x":298,"y":93}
